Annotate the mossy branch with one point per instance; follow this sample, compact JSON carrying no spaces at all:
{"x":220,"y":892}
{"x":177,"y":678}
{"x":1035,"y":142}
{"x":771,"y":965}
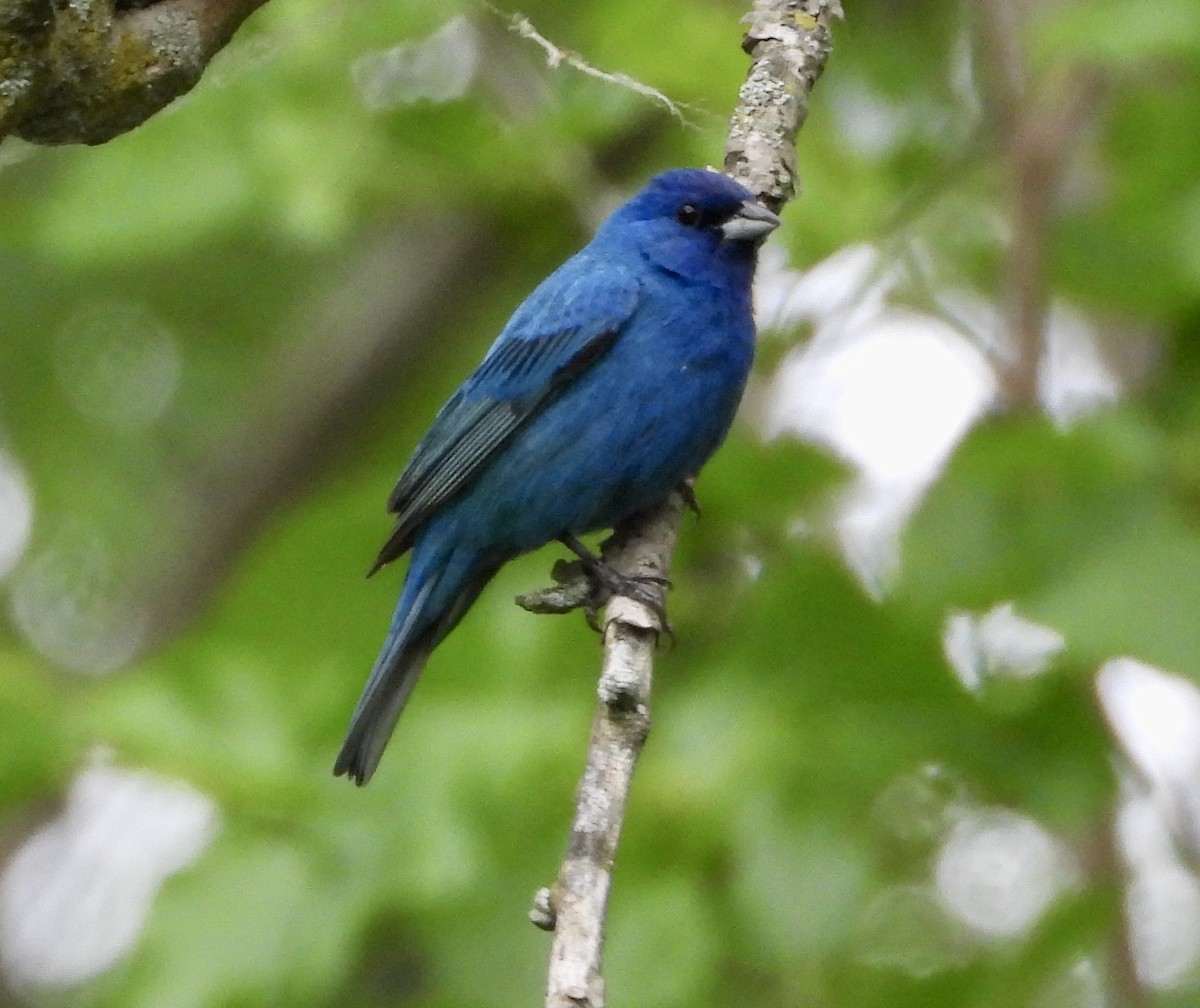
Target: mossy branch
{"x":85,"y":71}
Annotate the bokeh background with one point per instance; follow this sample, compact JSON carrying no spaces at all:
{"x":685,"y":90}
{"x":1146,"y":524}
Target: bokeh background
{"x":928,"y":735}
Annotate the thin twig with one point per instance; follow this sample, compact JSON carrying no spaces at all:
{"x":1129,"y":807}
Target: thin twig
{"x":789,"y":42}
{"x":557,"y":56}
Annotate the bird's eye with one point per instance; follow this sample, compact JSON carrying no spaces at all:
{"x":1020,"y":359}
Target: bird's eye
{"x":688,"y":215}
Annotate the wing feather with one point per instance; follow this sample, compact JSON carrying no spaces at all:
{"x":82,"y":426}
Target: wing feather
{"x":562,"y":329}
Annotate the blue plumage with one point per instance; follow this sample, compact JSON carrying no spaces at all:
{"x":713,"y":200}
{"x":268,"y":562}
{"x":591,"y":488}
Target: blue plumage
{"x":613,"y":382}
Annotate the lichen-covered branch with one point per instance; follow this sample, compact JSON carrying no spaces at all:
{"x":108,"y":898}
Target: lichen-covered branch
{"x":788,"y":42}
{"x":85,"y":71}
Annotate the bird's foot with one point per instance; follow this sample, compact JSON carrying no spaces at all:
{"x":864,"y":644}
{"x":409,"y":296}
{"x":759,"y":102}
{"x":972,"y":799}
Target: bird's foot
{"x":645,"y":589}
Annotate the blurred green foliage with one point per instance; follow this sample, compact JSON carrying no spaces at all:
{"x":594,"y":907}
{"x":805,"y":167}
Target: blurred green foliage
{"x":755,"y":853}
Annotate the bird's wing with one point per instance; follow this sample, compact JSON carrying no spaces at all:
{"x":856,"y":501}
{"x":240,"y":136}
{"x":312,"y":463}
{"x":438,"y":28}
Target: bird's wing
{"x":566,"y":324}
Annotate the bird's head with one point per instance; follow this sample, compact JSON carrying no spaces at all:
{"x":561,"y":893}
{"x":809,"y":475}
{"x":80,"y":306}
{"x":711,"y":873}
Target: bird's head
{"x":698,"y":224}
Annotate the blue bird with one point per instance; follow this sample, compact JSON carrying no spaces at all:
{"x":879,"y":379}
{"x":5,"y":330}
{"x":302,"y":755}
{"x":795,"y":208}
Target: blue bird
{"x":615,"y":381}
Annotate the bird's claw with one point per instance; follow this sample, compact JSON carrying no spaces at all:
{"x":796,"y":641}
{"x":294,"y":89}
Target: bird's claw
{"x":591,"y":613}
{"x":608,"y":582}
{"x":687,"y":491}
{"x":645,"y":589}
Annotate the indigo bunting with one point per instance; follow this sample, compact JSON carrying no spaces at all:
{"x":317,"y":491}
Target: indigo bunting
{"x":615,"y":380}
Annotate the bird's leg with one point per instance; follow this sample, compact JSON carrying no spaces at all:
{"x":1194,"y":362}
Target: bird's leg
{"x":610,"y":582}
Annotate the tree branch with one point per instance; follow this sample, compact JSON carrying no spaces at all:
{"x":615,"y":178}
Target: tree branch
{"x":1040,"y":119}
{"x":351,"y":344}
{"x":789,"y":42}
{"x":576,"y":906}
{"x":86,"y":71}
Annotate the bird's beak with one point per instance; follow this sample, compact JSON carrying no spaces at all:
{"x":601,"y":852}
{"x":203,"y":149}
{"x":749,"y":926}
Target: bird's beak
{"x":752,"y":222}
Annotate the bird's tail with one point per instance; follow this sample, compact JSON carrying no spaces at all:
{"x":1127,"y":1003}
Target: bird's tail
{"x":435,"y":596}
